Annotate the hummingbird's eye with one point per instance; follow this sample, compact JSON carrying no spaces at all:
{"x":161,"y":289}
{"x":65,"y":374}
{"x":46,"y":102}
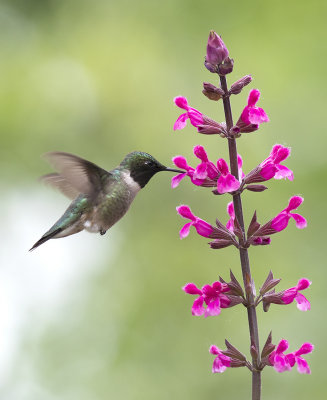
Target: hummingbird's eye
{"x":149,"y":163}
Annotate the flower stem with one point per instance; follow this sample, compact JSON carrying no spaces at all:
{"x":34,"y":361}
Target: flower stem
{"x":245,"y":264}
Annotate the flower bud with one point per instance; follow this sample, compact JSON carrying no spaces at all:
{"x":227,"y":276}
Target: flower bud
{"x":216,"y":52}
{"x":212,"y":92}
{"x":237,"y":86}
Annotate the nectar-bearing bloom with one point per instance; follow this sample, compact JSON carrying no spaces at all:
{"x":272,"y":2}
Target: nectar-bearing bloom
{"x":206,"y":169}
{"x":202,"y":227}
{"x":285,"y":362}
{"x":226,"y":181}
{"x":271,"y":167}
{"x":195,"y":116}
{"x":251,"y":116}
{"x":221,"y":362}
{"x":280,"y":222}
{"x":211,"y":295}
{"x":289,"y":295}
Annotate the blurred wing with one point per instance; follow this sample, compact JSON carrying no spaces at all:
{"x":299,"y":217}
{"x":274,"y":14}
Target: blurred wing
{"x":59,"y":182}
{"x":84,"y":176}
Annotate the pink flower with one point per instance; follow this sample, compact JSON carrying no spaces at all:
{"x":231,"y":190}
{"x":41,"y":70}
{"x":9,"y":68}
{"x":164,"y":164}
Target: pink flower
{"x":202,"y":227}
{"x":271,"y":167}
{"x":285,"y":362}
{"x":221,"y":362}
{"x":206,"y":169}
{"x":212,"y":295}
{"x":181,"y":162}
{"x":251,"y":116}
{"x":280,"y":222}
{"x":292,"y":294}
{"x":226,"y":181}
{"x":196,"y":118}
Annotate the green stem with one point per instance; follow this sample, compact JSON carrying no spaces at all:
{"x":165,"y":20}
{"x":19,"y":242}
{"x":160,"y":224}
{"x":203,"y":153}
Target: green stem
{"x":244,"y":257}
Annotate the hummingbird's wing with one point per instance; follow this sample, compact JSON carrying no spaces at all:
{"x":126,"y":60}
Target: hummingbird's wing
{"x":82,"y":175}
{"x":59,"y":182}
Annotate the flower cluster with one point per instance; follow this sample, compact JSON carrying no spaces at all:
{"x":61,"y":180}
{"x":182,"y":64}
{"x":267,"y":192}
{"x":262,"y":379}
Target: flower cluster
{"x":217,"y":175}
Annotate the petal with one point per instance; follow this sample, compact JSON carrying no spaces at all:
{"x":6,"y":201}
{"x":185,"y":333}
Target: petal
{"x":253,"y":98}
{"x":281,"y":154}
{"x":240,"y":164}
{"x":181,"y":102}
{"x":191,"y":288}
{"x":196,"y":118}
{"x":200,"y":153}
{"x":227,"y":183}
{"x":268,"y":171}
{"x":245,"y":115}
{"x":283,"y":172}
{"x":303,"y":304}
{"x":201,"y":171}
{"x":303,"y":284}
{"x":212,"y":170}
{"x":306,"y":348}
{"x":222,"y":166}
{"x":302,"y":366}
{"x":257,"y":115}
{"x":180,"y":122}
{"x":213,"y":308}
{"x":294,"y":203}
{"x":176,"y":180}
{"x":203,"y":228}
{"x":290,"y":359}
{"x":218,"y":366}
{"x":184,"y":232}
{"x":225,"y":360}
{"x":197,"y":307}
{"x":185,"y":212}
{"x":280,"y":364}
{"x":282,"y":346}
{"x":300,"y":221}
{"x":214,"y":349}
{"x":180,"y":162}
{"x":289,"y":295}
{"x":230,"y":209}
{"x":280,"y":222}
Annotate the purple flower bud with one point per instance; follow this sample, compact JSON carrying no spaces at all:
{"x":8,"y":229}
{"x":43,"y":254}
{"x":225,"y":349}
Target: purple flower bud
{"x":237,"y":87}
{"x":216,"y":52}
{"x":212,"y":92}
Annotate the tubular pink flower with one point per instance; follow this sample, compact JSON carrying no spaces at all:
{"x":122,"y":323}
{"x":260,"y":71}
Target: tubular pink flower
{"x":221,"y":362}
{"x":226,"y":181}
{"x":206,"y":169}
{"x":292,"y":294}
{"x":212,"y":295}
{"x":202,"y":227}
{"x":181,"y":163}
{"x":280,"y":222}
{"x":195,"y":116}
{"x":285,"y":362}
{"x":252,"y":114}
{"x":278,"y":154}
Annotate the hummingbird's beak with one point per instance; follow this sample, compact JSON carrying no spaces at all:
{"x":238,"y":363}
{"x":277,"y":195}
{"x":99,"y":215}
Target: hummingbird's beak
{"x":174,"y":170}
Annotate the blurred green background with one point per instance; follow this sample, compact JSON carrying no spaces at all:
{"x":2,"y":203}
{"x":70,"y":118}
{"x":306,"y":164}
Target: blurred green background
{"x":91,"y":317}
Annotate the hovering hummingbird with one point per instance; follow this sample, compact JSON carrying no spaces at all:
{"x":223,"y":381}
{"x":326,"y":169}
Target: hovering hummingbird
{"x":100,"y":197}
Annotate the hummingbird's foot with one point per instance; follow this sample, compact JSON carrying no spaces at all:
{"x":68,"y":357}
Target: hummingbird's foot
{"x":102,"y":232}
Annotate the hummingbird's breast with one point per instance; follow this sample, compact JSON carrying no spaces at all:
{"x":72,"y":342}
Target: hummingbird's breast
{"x":113,"y":203}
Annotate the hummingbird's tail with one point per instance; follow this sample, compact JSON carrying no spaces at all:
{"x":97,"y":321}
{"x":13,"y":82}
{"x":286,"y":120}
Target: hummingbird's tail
{"x":45,"y":238}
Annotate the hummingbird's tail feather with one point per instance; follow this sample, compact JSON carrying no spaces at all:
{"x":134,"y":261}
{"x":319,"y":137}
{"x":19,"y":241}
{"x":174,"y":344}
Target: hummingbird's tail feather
{"x":45,"y":238}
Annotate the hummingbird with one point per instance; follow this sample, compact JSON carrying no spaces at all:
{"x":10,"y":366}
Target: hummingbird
{"x":100,"y":198}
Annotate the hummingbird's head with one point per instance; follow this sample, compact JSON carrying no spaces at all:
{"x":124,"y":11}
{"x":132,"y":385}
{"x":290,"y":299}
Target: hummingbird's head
{"x":142,"y":167}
